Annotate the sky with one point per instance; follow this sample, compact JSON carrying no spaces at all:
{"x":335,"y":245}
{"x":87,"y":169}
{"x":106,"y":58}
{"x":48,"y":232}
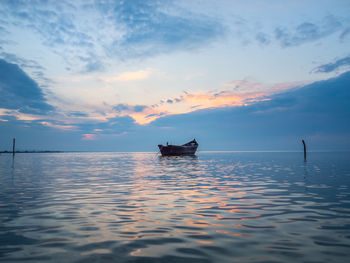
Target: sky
{"x":128,"y":75}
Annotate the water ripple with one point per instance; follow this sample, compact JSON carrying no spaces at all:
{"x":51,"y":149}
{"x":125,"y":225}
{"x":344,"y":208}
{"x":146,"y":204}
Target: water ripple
{"x":135,"y":207}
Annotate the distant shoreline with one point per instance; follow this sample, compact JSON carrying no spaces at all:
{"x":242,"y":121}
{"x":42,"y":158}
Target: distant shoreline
{"x":32,"y":152}
{"x":152,"y":152}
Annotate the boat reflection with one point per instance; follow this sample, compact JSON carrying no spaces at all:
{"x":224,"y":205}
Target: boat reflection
{"x":178,"y":159}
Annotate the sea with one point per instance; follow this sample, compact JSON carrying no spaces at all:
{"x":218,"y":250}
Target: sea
{"x":141,"y":207}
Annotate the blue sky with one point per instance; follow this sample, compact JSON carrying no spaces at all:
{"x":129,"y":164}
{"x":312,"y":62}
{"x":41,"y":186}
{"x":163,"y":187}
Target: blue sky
{"x":127,"y":75}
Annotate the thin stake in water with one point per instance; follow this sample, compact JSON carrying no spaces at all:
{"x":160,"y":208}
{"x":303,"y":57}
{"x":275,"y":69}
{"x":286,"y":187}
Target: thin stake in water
{"x":304,"y":150}
{"x":13,"y":146}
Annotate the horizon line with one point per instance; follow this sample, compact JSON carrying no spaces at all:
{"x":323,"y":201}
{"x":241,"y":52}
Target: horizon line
{"x":153,"y":152}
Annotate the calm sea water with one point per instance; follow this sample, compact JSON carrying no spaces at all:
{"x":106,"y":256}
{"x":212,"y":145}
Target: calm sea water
{"x":139,"y":207}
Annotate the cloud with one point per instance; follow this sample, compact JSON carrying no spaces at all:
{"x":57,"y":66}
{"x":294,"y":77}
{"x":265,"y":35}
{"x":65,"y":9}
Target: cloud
{"x":236,"y":93}
{"x":344,"y":34}
{"x":92,"y":65}
{"x":262,"y":38}
{"x":3,"y":30}
{"x":77,"y":114}
{"x":118,"y":29}
{"x":19,"y":91}
{"x":125,"y":108}
{"x":58,"y":125}
{"x":330,"y":67}
{"x":23,"y":103}
{"x":55,"y":24}
{"x":23,"y":63}
{"x":244,"y":84}
{"x":115,"y":126}
{"x":317,"y":112}
{"x":122,"y":117}
{"x":35,"y":70}
{"x":89,"y":137}
{"x":307,"y":31}
{"x":129,"y":76}
{"x":152,"y":27}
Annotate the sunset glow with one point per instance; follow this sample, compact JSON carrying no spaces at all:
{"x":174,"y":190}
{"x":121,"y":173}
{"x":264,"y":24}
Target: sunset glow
{"x":102,"y":70}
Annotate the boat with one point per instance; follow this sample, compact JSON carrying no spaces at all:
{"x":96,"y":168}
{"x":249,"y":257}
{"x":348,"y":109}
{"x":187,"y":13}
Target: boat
{"x":176,"y":150}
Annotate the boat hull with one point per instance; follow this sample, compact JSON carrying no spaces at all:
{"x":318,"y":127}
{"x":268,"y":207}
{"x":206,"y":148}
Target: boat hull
{"x":175,"y":150}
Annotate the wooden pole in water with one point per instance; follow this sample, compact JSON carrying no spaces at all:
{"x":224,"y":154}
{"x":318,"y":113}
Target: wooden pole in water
{"x":13,"y":147}
{"x":304,"y":149}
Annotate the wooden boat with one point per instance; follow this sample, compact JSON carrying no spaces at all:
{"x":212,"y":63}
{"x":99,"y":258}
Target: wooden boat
{"x":174,"y":150}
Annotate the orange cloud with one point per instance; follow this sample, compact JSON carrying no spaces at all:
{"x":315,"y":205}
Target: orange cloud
{"x":58,"y":126}
{"x":150,"y":114}
{"x":188,"y":103}
{"x":243,"y":92}
{"x":19,"y":115}
{"x":236,"y":93}
{"x":89,"y":137}
{"x":129,"y":76}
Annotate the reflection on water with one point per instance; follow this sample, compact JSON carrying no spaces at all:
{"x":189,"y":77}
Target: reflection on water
{"x":138,"y":207}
